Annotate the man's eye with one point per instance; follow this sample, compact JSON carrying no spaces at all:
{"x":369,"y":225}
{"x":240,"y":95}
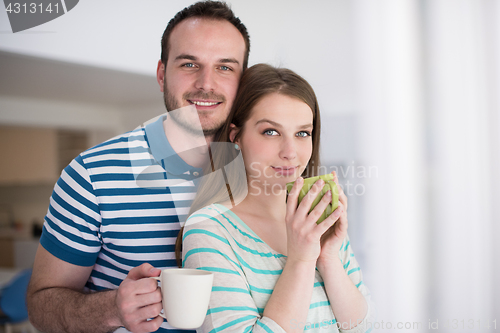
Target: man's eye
{"x":225,"y":68}
{"x":189,"y":65}
{"x":270,"y":132}
{"x":303,"y":134}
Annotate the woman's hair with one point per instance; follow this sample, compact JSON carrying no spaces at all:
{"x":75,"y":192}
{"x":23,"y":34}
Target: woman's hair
{"x":256,"y":83}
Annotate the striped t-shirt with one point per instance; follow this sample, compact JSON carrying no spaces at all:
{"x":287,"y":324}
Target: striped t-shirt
{"x":246,"y":270}
{"x":119,"y":205}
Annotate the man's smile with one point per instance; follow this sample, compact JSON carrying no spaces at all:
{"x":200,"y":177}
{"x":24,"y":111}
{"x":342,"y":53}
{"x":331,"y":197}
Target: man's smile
{"x":203,"y":103}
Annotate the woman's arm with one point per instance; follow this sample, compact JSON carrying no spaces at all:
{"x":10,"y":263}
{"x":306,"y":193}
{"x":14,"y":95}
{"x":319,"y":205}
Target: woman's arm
{"x":341,"y":273}
{"x":291,"y":297}
{"x":290,"y":300}
{"x":342,"y":280}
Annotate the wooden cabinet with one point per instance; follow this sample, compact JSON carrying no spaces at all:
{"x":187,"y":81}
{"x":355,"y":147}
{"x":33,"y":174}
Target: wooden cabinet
{"x":31,"y":160}
{"x":37,"y":155}
{"x":28,"y":155}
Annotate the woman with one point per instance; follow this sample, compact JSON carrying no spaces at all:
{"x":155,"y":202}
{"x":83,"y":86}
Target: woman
{"x":275,"y":269}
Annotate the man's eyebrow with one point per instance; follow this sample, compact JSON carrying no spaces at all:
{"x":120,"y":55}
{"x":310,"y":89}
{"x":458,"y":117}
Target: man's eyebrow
{"x":279,"y":125}
{"x":184,"y":56}
{"x":229,"y":60}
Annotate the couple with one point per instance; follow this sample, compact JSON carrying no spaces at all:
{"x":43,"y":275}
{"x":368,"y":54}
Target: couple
{"x":275,"y":269}
{"x":105,"y":233}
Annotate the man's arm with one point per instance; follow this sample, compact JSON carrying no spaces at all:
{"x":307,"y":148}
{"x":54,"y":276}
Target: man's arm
{"x":57,"y":303}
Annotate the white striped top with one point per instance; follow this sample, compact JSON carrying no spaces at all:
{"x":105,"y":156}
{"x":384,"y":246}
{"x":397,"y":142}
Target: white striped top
{"x":246,"y":270}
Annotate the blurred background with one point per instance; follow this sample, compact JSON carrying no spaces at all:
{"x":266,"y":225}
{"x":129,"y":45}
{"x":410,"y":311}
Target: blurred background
{"x":409,"y":92}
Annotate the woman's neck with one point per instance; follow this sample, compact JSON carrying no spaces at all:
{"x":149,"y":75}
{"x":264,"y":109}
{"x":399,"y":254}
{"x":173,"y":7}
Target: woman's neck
{"x":271,"y":204}
{"x":265,"y":214}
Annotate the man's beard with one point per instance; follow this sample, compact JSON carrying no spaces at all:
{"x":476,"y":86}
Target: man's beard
{"x":172,"y":104}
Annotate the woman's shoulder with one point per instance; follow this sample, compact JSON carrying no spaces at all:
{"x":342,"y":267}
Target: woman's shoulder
{"x":212,"y":215}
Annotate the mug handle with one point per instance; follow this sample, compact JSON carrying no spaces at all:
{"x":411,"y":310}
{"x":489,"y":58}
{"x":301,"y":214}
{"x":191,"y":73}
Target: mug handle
{"x":157,"y":278}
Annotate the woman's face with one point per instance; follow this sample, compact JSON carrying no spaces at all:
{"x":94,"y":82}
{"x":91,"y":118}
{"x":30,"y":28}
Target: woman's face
{"x":276,"y":142}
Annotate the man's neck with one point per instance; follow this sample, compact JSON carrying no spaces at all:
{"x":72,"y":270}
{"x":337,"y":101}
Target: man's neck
{"x":192,"y":148}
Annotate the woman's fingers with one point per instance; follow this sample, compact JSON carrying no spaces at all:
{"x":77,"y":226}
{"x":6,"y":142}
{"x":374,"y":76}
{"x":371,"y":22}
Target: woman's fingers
{"x":331,"y":219}
{"x":315,"y":214}
{"x":342,"y":196}
{"x":305,"y":204}
{"x":293,"y":196}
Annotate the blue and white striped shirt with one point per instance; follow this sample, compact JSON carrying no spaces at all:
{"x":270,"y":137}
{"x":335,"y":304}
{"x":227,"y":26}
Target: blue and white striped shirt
{"x":119,"y":205}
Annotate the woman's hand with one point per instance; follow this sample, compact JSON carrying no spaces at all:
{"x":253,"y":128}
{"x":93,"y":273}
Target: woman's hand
{"x":333,"y":238}
{"x":303,"y":233}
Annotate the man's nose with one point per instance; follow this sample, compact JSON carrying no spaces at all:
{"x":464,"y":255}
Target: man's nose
{"x":206,"y":80}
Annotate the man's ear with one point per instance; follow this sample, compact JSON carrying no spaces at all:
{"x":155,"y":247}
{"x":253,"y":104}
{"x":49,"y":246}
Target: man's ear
{"x":160,"y":75}
{"x":233,"y":131}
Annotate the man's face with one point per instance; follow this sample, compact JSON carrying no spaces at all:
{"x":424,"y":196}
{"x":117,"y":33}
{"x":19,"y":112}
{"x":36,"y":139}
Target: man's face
{"x":204,"y":66}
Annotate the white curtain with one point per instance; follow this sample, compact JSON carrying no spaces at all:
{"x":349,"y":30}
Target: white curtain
{"x":428,"y":83}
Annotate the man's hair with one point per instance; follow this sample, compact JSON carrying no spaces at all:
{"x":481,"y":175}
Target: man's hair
{"x":214,"y":10}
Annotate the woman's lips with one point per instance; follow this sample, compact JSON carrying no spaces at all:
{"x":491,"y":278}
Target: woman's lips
{"x":285,"y":170}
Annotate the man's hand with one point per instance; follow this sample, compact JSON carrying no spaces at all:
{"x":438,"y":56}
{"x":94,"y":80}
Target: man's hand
{"x":57,"y":303}
{"x":138,"y":299}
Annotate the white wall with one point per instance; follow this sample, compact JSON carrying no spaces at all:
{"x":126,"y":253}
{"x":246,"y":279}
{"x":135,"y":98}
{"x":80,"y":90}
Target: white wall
{"x":57,"y":114}
{"x":125,"y":35}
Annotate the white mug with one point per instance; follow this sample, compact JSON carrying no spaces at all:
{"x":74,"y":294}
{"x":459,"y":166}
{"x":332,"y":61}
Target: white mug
{"x":185,"y":296}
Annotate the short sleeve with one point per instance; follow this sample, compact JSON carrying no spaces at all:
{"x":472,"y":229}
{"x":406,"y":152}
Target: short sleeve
{"x":71,"y":226}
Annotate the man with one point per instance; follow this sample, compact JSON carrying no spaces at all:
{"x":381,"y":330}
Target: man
{"x":115,"y":211}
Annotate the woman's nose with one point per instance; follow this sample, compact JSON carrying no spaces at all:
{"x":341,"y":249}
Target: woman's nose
{"x":288,"y":149}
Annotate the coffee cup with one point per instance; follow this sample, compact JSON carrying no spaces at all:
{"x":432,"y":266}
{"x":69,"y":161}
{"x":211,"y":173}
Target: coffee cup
{"x":329,"y":185}
{"x":185,"y":296}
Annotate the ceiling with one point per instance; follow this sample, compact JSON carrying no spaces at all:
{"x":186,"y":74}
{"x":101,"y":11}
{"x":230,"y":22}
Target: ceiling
{"x":31,"y":77}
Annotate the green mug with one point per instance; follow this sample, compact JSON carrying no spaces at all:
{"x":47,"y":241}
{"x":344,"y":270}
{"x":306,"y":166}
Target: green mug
{"x":329,"y":185}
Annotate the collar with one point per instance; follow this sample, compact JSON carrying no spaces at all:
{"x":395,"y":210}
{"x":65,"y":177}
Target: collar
{"x":163,"y":152}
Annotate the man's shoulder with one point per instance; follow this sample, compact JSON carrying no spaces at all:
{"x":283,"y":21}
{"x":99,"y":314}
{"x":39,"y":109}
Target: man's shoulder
{"x":124,"y":143}
{"x":119,"y":154}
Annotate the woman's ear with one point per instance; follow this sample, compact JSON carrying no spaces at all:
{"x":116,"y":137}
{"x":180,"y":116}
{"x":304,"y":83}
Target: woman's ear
{"x":233,"y":131}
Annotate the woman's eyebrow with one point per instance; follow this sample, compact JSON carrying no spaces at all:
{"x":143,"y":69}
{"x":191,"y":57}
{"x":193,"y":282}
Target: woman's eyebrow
{"x":306,"y":126}
{"x":268,"y":121}
{"x":310,"y":125}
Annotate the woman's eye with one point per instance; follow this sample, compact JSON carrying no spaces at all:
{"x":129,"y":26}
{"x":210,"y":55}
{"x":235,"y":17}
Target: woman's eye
{"x":303,"y":134}
{"x":270,"y":132}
